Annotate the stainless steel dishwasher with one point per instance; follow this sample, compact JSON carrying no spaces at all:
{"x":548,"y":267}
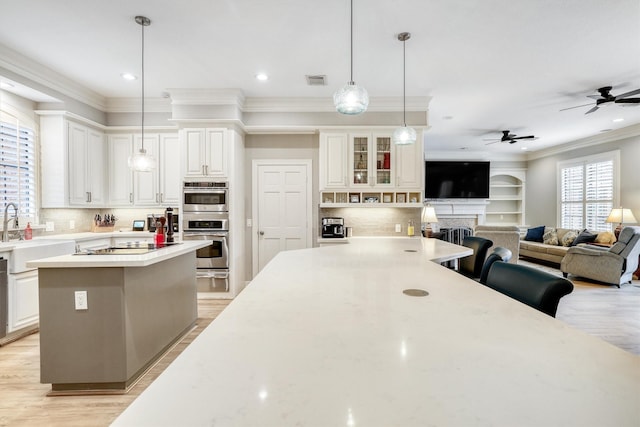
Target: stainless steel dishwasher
{"x":4,"y":282}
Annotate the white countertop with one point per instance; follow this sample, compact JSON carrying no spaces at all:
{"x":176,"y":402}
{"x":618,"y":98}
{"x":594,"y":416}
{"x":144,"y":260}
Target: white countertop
{"x":143,"y":260}
{"x":326,"y":337}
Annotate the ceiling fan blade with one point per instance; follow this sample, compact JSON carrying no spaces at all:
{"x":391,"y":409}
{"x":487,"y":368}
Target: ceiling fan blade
{"x":628,"y":101}
{"x":592,"y":110}
{"x":626,"y":94}
{"x":524,"y":137}
{"x":577,"y":106}
{"x":489,"y":143}
{"x":594,"y":96}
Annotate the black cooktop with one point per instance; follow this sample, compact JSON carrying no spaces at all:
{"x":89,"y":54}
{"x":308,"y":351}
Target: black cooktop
{"x":128,"y":249}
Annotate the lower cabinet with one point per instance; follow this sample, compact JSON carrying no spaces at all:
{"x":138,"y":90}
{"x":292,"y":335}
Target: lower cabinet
{"x":23,"y":300}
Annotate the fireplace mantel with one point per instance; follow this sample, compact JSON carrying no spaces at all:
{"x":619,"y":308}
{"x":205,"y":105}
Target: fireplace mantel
{"x":472,"y":211}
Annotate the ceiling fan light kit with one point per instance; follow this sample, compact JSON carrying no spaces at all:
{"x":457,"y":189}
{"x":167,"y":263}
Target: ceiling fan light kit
{"x":351,"y":99}
{"x":404,"y":135}
{"x":141,"y":161}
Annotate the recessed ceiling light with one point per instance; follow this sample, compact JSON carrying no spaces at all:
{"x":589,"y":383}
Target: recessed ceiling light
{"x":447,"y":117}
{"x":129,"y":76}
{"x":619,"y":119}
{"x":523,"y":148}
{"x":262,"y":77}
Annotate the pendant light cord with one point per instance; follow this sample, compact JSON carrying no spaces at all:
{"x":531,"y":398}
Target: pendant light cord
{"x":142,"y":25}
{"x":351,"y":53}
{"x":404,"y":84}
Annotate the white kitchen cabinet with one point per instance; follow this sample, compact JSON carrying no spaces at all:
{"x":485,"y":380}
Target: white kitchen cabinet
{"x":362,"y":168}
{"x":86,"y":147}
{"x":120,"y":188}
{"x":163,"y":185}
{"x":333,"y":160}
{"x":23,"y":308}
{"x":206,"y":152}
{"x":72,"y":159}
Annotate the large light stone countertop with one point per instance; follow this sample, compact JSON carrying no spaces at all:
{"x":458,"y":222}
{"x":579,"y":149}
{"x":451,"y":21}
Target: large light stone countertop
{"x":326,"y":337}
{"x":143,"y":260}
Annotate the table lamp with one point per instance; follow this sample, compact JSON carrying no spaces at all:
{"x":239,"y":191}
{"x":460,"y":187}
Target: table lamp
{"x":428,"y":217}
{"x":620,"y":216}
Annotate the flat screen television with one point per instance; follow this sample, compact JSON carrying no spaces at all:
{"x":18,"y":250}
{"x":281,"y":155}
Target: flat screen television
{"x":456,"y":180}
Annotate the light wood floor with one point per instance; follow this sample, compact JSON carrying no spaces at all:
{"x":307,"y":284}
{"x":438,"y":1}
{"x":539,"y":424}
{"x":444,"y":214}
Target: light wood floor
{"x":607,"y":312}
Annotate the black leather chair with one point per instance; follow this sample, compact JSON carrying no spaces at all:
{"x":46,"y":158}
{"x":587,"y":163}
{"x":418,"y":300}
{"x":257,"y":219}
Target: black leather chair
{"x":536,"y":288}
{"x":498,"y":254}
{"x":471,"y":266}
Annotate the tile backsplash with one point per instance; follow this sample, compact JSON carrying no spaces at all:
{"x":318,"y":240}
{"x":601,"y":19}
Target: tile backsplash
{"x":374,"y":221}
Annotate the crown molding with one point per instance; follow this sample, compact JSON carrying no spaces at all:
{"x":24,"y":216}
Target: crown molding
{"x":603,"y":138}
{"x":207,"y":97}
{"x":473,"y":155}
{"x":132,"y":105}
{"x":325,"y":104}
{"x":34,"y":72}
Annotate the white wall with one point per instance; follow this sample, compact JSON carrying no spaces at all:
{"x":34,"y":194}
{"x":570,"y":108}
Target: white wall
{"x":541,"y":195}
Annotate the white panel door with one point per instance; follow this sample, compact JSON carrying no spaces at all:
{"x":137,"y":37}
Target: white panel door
{"x":96,"y":167}
{"x":145,"y":184}
{"x":78,"y":154}
{"x":195,"y":151}
{"x":120,"y":175}
{"x":283,"y":209}
{"x":171,"y":170}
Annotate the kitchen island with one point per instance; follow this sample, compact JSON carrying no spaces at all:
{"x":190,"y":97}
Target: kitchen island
{"x":105,"y":319}
{"x":327,"y":337}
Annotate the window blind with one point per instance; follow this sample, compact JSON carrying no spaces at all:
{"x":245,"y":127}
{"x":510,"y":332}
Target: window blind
{"x":17,"y":167}
{"x":587,"y":192}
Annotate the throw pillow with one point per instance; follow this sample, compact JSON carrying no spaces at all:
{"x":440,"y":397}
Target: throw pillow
{"x":569,"y":237}
{"x":606,"y":238}
{"x":584,"y":237}
{"x":550,"y":236}
{"x":535,"y":234}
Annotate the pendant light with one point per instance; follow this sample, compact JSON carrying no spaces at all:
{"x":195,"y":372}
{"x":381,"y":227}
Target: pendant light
{"x":351,"y":99}
{"x":141,"y":161}
{"x":404,"y":135}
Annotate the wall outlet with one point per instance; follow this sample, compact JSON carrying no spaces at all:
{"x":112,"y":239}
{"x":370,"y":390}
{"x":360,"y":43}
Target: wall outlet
{"x":72,"y":224}
{"x":48,"y":226}
{"x":81,"y":300}
{"x":398,"y":228}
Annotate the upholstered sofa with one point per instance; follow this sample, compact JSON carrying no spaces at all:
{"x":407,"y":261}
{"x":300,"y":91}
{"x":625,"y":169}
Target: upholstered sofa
{"x":554,"y":247}
{"x":502,"y":236}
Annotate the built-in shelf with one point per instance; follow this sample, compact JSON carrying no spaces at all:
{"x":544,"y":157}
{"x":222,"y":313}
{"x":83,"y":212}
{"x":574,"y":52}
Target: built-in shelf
{"x":370,"y":199}
{"x":506,"y":198}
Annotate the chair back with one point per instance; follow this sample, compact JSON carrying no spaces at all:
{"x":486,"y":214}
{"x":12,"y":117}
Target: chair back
{"x":499,"y":254}
{"x":536,"y":288}
{"x":471,"y":266}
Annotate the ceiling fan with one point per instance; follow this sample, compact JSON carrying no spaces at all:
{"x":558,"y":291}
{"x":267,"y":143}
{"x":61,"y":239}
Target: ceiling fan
{"x":509,"y":137}
{"x":606,"y":96}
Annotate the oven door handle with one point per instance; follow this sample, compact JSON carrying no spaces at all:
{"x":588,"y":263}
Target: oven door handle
{"x":214,"y":275}
{"x":206,"y":233}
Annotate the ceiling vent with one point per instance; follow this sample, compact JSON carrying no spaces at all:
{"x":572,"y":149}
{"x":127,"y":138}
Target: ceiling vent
{"x":317,"y":80}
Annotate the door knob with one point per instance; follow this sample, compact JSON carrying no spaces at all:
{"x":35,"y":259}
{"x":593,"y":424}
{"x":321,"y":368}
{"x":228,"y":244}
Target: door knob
{"x":261,"y":233}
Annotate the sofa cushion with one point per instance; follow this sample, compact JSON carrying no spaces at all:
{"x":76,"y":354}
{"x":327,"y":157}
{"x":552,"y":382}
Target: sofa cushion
{"x":535,"y":234}
{"x":568,"y":237}
{"x":584,"y":237}
{"x":550,"y":236}
{"x":605,"y":238}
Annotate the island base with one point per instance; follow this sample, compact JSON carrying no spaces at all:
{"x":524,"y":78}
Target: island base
{"x":133,"y":316}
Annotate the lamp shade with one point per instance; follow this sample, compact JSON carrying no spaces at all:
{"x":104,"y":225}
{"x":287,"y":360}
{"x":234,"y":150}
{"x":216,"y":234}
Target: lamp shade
{"x":404,"y":135}
{"x":429,"y":214}
{"x":142,"y":162}
{"x":621,"y":216}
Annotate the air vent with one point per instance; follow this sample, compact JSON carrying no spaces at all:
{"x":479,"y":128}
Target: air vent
{"x":317,"y":80}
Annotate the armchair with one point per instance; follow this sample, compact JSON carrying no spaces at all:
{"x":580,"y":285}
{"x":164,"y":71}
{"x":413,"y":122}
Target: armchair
{"x":504,"y":236}
{"x":613,"y":266}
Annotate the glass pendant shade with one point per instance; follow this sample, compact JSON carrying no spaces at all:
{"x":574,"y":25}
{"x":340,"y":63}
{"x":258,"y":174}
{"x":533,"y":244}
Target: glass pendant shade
{"x":141,"y":161}
{"x":404,"y":135}
{"x":351,"y":99}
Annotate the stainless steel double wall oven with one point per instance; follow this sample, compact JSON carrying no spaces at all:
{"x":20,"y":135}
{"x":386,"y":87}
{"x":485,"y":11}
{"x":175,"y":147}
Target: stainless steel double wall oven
{"x":205,"y":216}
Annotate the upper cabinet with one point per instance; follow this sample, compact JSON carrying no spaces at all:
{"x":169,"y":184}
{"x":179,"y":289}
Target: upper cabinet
{"x":159,"y":187}
{"x":73,"y":164}
{"x":206,"y":152}
{"x":363,"y":164}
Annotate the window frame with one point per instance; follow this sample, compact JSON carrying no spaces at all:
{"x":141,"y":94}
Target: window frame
{"x":614,"y":157}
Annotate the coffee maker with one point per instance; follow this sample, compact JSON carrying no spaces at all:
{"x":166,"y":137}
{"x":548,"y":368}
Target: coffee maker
{"x":332,"y":227}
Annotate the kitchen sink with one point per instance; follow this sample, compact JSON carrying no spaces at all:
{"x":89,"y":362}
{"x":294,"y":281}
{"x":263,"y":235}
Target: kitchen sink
{"x":28,"y":250}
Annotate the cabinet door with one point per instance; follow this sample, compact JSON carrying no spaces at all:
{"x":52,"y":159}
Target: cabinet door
{"x":195,"y":151}
{"x":146,"y":191}
{"x":360,"y":155}
{"x":170,"y":170}
{"x":96,"y":155}
{"x":120,"y":147}
{"x":383,"y":161}
{"x":409,"y":164}
{"x":216,"y":152}
{"x":333,"y":160}
{"x":23,"y":300}
{"x":78,"y":148}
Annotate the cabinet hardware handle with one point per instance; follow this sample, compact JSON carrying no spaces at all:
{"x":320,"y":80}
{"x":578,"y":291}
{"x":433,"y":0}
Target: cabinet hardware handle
{"x":161,"y":197}
{"x":157,"y":198}
{"x":88,"y":197}
{"x":130,"y":197}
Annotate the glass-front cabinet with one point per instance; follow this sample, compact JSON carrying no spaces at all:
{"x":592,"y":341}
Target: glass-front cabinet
{"x":370,"y":160}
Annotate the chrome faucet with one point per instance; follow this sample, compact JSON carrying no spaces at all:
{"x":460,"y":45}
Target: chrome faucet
{"x":5,"y":228}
